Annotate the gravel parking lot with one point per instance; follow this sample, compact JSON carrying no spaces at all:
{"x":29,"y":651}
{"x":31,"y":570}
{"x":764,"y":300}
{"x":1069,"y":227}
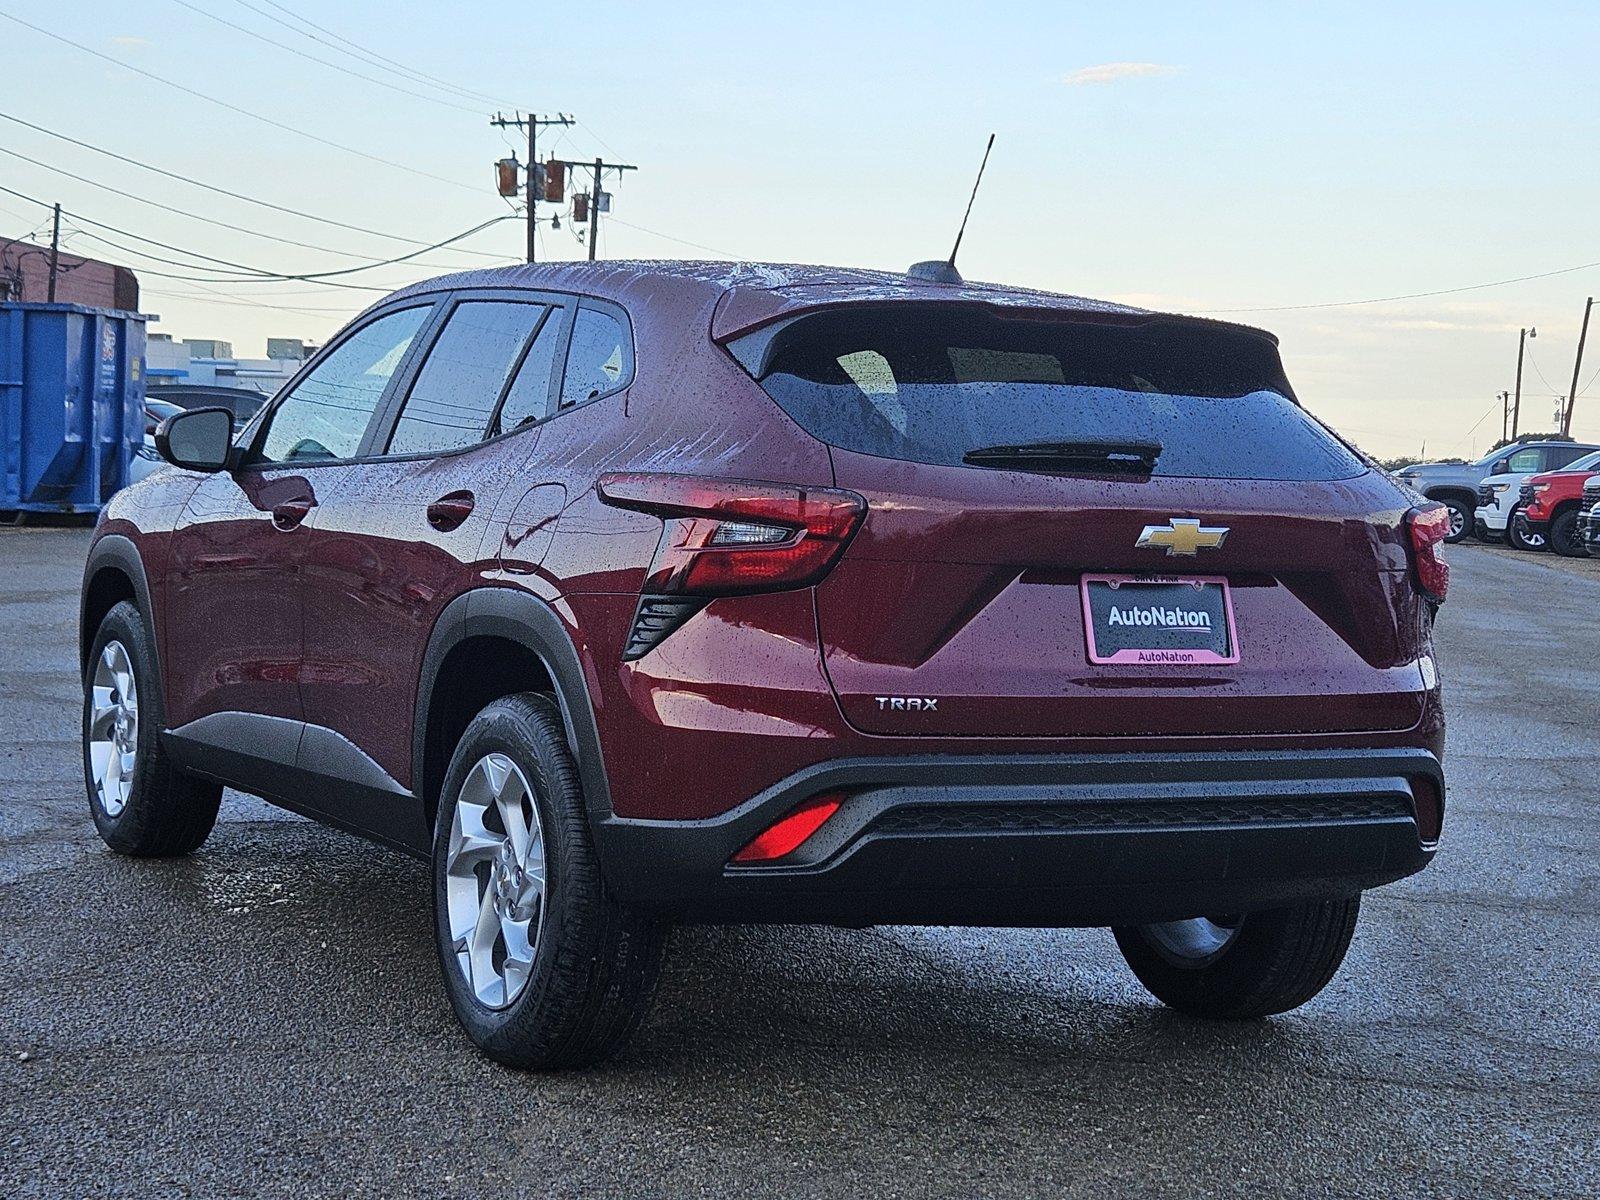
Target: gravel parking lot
{"x":265,"y":1017}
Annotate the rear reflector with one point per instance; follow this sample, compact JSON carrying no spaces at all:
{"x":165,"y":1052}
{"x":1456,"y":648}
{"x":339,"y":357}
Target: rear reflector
{"x":729,"y":536}
{"x":785,"y":837}
{"x":1428,"y":527}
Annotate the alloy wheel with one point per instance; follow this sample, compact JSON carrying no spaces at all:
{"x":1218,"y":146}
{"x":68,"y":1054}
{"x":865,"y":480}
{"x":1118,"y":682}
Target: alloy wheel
{"x":113,"y":731}
{"x":495,"y":880}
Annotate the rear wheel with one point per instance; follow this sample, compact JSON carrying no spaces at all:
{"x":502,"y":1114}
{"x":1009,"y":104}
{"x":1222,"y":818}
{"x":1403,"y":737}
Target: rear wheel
{"x":1460,"y":520}
{"x":544,"y":967}
{"x":1519,"y":536}
{"x":141,"y":803}
{"x":1242,"y":967}
{"x":1565,"y":539}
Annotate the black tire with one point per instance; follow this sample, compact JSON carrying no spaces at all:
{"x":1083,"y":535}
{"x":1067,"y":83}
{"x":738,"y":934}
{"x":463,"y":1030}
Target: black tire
{"x":1564,"y":538}
{"x":1518,"y":536}
{"x":595,"y":960}
{"x":1275,"y":961}
{"x":166,"y":811}
{"x":1461,"y":515}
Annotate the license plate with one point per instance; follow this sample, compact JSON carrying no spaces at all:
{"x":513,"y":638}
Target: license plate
{"x":1160,"y":621}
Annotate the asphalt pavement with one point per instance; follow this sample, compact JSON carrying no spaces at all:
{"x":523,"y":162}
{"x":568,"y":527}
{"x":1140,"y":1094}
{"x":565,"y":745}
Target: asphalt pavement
{"x":266,"y":1018}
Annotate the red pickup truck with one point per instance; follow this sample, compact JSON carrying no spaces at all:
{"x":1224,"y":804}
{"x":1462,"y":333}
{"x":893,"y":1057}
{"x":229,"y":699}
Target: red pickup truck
{"x":1550,"y":504}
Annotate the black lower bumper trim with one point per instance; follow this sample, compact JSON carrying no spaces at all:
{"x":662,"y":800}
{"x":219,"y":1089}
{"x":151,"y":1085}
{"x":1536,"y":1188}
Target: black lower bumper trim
{"x":1043,"y":840}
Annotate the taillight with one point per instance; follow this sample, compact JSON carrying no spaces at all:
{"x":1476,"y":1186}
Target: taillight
{"x":1428,"y":528}
{"x":786,"y":835}
{"x":728,"y":536}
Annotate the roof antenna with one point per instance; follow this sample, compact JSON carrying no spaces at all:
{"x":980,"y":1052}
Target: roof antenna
{"x":935,"y":270}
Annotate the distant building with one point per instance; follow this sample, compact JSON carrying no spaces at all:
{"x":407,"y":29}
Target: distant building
{"x":211,"y":362}
{"x":25,"y":276}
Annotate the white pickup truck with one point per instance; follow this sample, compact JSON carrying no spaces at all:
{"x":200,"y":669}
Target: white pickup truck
{"x":1499,"y":504}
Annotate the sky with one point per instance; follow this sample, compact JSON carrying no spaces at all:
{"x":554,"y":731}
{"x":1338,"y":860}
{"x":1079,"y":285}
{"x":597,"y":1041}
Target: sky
{"x":1266,"y":163}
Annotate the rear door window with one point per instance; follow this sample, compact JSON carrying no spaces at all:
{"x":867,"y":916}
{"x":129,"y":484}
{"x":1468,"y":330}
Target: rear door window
{"x":922,"y":384}
{"x":528,"y":398}
{"x":468,"y":369}
{"x":600,"y":358}
{"x":1562,"y":456}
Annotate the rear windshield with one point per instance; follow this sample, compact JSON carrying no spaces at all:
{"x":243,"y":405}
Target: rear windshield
{"x":914,"y":383}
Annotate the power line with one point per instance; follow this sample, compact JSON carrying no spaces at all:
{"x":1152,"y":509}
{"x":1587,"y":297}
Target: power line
{"x":219,"y":298}
{"x":257,"y":274}
{"x":221,"y":191}
{"x":1471,"y":287}
{"x":1535,"y":362}
{"x":261,"y":37}
{"x":668,"y":237}
{"x":372,"y":57}
{"x":194,"y":216}
{"x":255,"y":116}
{"x":124,"y":248}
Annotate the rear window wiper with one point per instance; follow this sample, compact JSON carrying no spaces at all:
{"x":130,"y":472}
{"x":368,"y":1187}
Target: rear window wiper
{"x":1086,"y":457}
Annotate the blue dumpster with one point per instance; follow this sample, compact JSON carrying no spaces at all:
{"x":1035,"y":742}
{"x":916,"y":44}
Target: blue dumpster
{"x":71,"y":404}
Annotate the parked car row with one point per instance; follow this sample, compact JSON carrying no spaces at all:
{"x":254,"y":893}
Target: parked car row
{"x":1530,"y":494}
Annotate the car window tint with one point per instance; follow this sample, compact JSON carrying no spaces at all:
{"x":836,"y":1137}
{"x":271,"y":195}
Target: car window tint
{"x":931,"y":383}
{"x":1561,"y":456}
{"x":327,"y":413}
{"x":466,"y":370}
{"x":597,"y":360}
{"x":1524,"y":462}
{"x":529,"y":396}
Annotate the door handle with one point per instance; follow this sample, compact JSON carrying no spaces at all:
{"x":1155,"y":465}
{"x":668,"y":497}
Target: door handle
{"x":290,"y":513}
{"x":450,"y":510}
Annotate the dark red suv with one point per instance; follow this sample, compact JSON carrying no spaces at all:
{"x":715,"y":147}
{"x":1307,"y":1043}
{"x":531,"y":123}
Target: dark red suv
{"x":645,"y":592}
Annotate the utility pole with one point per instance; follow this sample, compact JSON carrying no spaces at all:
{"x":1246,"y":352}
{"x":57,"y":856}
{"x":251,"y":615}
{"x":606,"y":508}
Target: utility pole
{"x":1505,"y":413}
{"x":594,"y":211}
{"x":1572,"y":394}
{"x":599,"y":167}
{"x":1516,"y":409}
{"x":55,"y":251}
{"x":532,"y":123}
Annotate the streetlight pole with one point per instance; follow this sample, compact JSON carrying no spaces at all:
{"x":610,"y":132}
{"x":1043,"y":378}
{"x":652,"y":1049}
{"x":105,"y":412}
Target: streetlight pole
{"x":1516,"y":408}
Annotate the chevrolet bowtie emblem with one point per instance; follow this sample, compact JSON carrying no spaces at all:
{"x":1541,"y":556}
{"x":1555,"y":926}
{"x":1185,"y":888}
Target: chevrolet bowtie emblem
{"x":1182,"y":535}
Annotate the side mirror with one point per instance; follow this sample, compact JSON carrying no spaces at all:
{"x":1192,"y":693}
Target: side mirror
{"x":200,"y":439}
{"x":1503,"y":467}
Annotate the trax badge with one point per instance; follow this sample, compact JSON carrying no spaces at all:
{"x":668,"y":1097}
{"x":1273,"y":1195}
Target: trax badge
{"x":1182,"y":535}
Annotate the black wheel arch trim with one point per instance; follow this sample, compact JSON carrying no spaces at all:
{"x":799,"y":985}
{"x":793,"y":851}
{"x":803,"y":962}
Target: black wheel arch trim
{"x":521,"y":617}
{"x":116,"y":552}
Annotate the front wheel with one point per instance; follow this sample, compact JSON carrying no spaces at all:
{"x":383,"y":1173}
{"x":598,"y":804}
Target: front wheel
{"x":1565,"y":538}
{"x":544,"y":967}
{"x":141,"y":803}
{"x":1460,"y":520}
{"x":1519,"y":536}
{"x":1242,"y":967}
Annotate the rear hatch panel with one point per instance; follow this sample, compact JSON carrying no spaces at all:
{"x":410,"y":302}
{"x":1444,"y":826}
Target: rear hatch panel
{"x":957,"y":610}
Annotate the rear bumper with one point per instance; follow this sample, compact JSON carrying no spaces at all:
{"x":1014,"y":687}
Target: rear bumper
{"x":1045,"y":840}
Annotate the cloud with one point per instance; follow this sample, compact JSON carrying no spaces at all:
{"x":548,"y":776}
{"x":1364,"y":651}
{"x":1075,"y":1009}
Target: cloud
{"x":1112,"y":72}
{"x":131,"y":42}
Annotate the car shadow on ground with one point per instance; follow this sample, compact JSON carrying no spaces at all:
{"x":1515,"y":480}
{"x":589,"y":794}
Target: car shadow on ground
{"x":334,"y":924}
